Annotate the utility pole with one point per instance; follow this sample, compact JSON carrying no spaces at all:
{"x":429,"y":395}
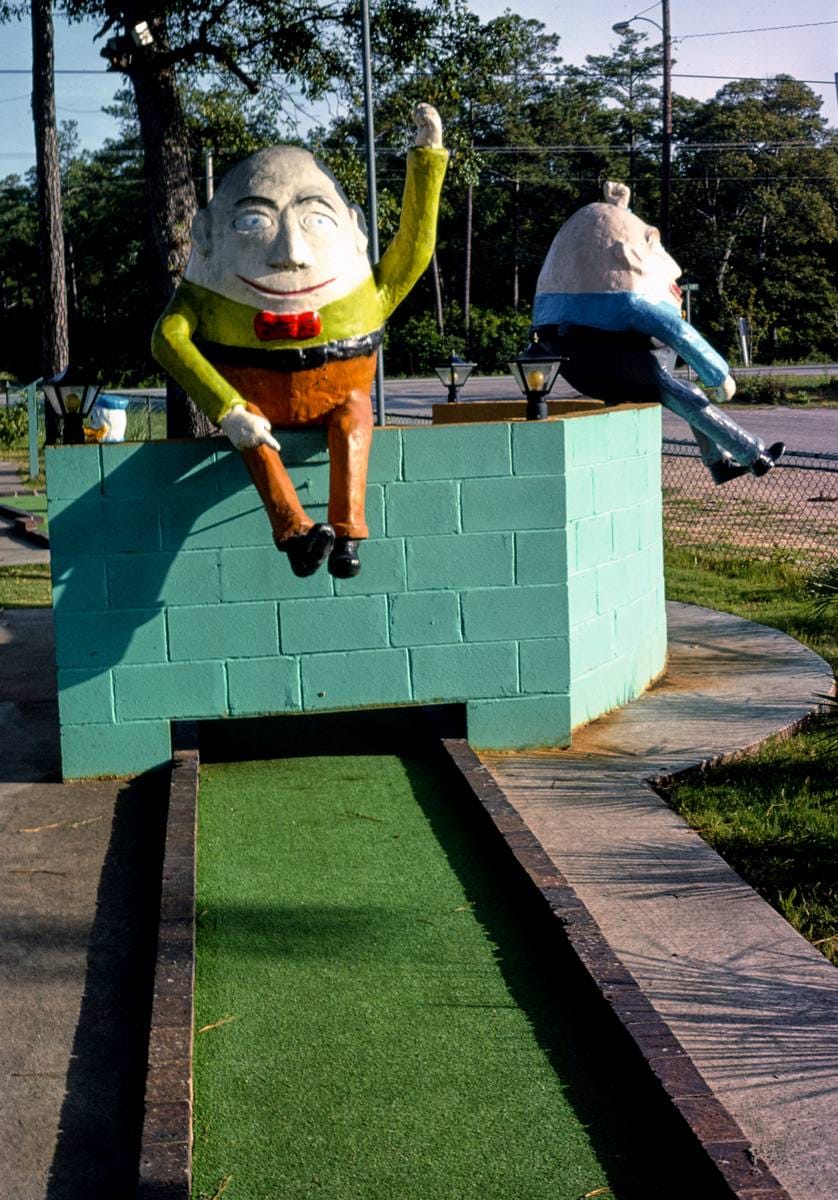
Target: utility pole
{"x":372,"y":190}
{"x":666,"y":142}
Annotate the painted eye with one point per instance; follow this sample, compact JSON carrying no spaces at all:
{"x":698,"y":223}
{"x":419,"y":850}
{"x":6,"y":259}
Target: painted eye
{"x":318,"y":223}
{"x":252,"y":222}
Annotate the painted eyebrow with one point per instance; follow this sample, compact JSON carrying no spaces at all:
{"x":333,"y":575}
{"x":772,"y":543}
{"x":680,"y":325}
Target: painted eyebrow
{"x":317,"y":198}
{"x":256,"y":200}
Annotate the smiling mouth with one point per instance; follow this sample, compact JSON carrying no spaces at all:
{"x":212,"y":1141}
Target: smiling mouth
{"x":266,"y":291}
{"x":676,"y":291}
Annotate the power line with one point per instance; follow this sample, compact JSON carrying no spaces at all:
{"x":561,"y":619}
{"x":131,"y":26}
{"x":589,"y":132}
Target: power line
{"x":759,"y":29}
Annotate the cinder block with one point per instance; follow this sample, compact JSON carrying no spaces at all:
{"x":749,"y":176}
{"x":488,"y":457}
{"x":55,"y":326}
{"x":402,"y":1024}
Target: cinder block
{"x":626,"y":526}
{"x":636,"y":622}
{"x":521,"y":502}
{"x":430,"y":507}
{"x":238,"y":519}
{"x":72,"y":471}
{"x":450,"y":451}
{"x":518,"y":723}
{"x":424,"y":618}
{"x":621,"y":484}
{"x":374,"y":507}
{"x":169,"y":471}
{"x":126,"y":636}
{"x":264,"y":685}
{"x":545,"y":665}
{"x":464,"y":671}
{"x":580,"y":493}
{"x":215,"y":631}
{"x":594,"y":542}
{"x":126,"y":749}
{"x":460,"y":561}
{"x":181,"y":689}
{"x":78,"y":584}
{"x":622,"y":581}
{"x":509,"y":614}
{"x":102,"y":526}
{"x":622,"y":429}
{"x":609,"y":685}
{"x":383,"y":569}
{"x":591,"y":645}
{"x":650,"y":518}
{"x":152,"y":580}
{"x":311,"y":481}
{"x":303,"y":445}
{"x":356,"y":680}
{"x":85,"y":697}
{"x":586,"y":440}
{"x":385,"y":463}
{"x":541,"y":556}
{"x":582,"y":596}
{"x":538,"y":447}
{"x":337,"y":623}
{"x":263,"y":573}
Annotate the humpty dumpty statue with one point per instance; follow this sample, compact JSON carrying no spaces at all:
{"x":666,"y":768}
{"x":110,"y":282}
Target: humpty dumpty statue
{"x":278,"y":320}
{"x":607,"y":300}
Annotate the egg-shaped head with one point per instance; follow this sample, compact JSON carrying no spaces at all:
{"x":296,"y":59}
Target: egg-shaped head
{"x":279,"y":235}
{"x":604,"y":247}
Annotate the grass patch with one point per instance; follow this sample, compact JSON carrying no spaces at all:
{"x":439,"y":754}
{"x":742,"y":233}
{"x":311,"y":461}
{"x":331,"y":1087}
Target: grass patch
{"x":787,"y":390}
{"x":25,"y":586}
{"x":773,"y":816}
{"x":379,"y":1020}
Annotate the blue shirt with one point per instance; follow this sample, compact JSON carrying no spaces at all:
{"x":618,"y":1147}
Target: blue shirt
{"x":617,"y":311}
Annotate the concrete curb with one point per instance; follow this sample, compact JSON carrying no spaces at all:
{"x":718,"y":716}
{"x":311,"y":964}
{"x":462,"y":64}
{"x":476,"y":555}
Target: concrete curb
{"x":166,"y":1150}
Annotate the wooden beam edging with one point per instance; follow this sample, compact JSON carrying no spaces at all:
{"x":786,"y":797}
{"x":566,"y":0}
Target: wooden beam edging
{"x":746,"y":1176}
{"x":165,"y":1170}
{"x":26,"y":524}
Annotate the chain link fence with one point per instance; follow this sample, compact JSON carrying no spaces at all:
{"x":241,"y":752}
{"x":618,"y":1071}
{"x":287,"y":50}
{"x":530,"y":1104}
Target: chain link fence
{"x":790,"y":513}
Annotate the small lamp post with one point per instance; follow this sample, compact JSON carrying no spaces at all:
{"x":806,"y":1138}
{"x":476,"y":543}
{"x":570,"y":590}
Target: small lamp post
{"x":71,"y":400}
{"x":535,"y":372}
{"x":454,"y":374}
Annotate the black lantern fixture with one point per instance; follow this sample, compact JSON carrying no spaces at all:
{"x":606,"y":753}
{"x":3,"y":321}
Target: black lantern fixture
{"x":72,"y":400}
{"x":535,"y":372}
{"x":454,"y":374}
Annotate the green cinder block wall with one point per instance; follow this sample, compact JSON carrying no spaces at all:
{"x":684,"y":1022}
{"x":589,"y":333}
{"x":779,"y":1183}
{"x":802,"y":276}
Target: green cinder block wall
{"x":514,"y":567}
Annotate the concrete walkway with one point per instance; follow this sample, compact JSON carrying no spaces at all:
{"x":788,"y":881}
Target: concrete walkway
{"x":15,"y":548}
{"x":755,"y":1006}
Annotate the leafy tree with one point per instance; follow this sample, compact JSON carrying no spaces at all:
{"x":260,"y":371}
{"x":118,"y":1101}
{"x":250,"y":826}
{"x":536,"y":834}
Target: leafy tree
{"x":756,"y":201}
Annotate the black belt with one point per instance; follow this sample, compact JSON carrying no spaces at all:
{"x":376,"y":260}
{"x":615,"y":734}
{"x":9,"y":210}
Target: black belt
{"x":576,"y":336}
{"x":297,"y":358}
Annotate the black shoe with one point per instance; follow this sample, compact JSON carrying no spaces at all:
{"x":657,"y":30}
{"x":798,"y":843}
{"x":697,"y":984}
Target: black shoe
{"x":726,"y":469}
{"x":344,"y":561}
{"x":768,"y":458}
{"x":308,"y":551}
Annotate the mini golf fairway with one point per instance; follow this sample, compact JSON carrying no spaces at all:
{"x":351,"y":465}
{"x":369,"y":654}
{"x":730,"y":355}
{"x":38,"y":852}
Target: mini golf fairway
{"x":375,"y":1022}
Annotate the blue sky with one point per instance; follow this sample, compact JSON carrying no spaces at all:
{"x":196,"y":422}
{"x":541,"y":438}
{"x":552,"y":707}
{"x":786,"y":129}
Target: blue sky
{"x":807,"y":53}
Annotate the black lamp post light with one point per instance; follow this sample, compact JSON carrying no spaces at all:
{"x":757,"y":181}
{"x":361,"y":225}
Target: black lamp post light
{"x":72,"y":400}
{"x":535,"y":372}
{"x":454,"y":374}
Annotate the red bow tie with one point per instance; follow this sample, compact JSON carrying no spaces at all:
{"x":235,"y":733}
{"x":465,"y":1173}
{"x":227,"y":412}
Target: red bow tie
{"x":271,"y":327}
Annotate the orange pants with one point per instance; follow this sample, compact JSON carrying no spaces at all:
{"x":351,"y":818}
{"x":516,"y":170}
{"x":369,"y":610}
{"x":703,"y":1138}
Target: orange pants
{"x":336,"y":395}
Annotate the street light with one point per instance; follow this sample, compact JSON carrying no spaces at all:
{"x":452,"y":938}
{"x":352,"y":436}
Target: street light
{"x":535,"y":372}
{"x":666,"y":140}
{"x":454,"y":374}
{"x":71,"y":399}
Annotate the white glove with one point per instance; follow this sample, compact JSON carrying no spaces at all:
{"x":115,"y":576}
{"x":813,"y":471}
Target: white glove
{"x":247,"y":430}
{"x":428,"y":125}
{"x":726,"y":390}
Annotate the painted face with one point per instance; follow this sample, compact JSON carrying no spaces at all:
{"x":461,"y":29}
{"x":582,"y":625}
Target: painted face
{"x":279,"y":235}
{"x":657,"y":271}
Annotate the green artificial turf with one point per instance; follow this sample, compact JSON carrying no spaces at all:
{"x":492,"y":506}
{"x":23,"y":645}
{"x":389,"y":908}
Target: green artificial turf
{"x":381,"y":1026}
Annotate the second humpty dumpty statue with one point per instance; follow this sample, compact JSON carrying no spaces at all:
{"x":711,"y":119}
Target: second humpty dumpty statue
{"x":608,"y":302}
{"x":279,"y":318}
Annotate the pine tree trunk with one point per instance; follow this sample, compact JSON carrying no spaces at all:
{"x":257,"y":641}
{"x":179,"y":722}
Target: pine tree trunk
{"x":440,"y":311}
{"x":55,"y":346}
{"x":171,"y":198}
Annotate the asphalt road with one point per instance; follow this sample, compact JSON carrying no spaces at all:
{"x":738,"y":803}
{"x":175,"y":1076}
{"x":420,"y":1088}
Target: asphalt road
{"x":813,"y":429}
